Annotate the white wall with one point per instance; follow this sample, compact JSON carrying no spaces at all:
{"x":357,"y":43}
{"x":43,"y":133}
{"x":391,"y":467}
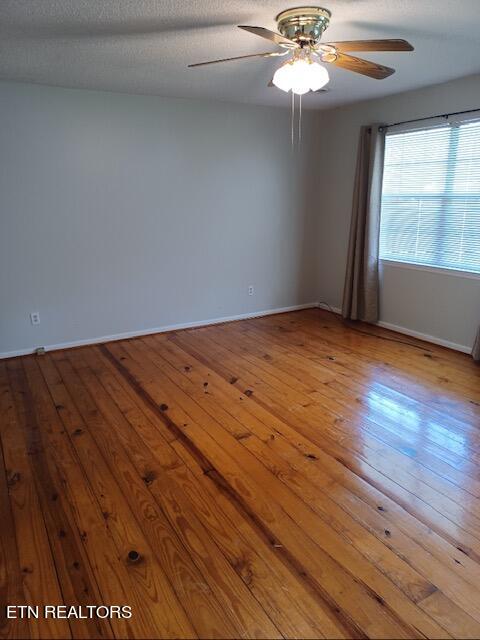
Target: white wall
{"x":444,"y":306}
{"x":123,"y":213}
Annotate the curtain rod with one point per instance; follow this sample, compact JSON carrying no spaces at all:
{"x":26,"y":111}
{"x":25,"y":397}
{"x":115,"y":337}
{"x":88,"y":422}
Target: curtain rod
{"x":440,"y":115}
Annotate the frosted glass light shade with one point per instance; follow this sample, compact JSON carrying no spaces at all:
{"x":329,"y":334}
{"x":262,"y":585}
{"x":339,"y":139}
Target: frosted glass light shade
{"x":300,"y":76}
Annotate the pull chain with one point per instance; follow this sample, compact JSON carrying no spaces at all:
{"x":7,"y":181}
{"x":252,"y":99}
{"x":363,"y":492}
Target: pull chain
{"x":296,"y":128}
{"x":293,"y":119}
{"x":300,"y":119}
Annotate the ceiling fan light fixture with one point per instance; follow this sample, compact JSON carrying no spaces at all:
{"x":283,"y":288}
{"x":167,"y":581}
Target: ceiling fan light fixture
{"x":318,"y":76}
{"x":282,"y":77}
{"x":300,"y":76}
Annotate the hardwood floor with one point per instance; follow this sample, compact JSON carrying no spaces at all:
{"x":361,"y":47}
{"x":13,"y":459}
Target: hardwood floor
{"x":287,"y":476}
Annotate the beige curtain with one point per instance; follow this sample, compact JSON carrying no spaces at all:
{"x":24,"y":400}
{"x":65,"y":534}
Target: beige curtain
{"x":476,"y":347}
{"x":360,"y":294}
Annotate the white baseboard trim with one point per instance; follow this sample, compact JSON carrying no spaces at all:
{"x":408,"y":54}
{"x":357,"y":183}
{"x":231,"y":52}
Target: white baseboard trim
{"x":165,"y":328}
{"x":242,"y":316}
{"x":327,"y":307}
{"x":409,"y":332}
{"x":426,"y":337}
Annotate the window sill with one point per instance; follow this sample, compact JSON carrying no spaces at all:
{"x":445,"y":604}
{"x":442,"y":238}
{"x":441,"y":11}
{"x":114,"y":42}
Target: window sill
{"x":440,"y":270}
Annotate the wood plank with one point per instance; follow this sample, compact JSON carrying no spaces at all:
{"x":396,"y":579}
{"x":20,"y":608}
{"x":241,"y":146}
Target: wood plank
{"x":318,"y":332}
{"x":152,"y":587}
{"x":241,"y":551}
{"x":11,"y":587}
{"x":355,"y":483}
{"x":369,"y":446}
{"x":453,"y":397}
{"x":273,"y":393}
{"x":409,"y":581}
{"x":238,"y":554}
{"x":185,"y":433}
{"x":463,"y":435}
{"x":383,"y":437}
{"x":40,"y":581}
{"x":452,"y":617}
{"x":335,"y":550}
{"x":285,"y":476}
{"x":73,"y":570}
{"x":293,"y":609}
{"x":145,"y":423}
{"x":353,"y":378}
{"x":111,"y":570}
{"x":204,"y":580}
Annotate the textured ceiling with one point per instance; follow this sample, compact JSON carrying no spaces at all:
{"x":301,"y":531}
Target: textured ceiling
{"x":143,"y":46}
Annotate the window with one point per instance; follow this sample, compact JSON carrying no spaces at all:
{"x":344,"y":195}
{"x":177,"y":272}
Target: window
{"x":430,"y":213}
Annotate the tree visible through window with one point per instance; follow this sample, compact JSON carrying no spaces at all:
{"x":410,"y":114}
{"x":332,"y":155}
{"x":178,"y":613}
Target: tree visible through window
{"x":430,"y":212}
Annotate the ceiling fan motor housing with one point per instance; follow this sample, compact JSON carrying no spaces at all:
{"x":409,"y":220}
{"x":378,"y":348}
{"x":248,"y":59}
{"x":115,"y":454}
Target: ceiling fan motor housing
{"x":303,"y":25}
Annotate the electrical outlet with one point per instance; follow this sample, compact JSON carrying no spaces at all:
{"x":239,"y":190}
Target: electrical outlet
{"x":35,"y":317}
{"x":251,"y":290}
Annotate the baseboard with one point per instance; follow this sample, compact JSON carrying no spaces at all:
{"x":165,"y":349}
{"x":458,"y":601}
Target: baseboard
{"x":242,"y":316}
{"x":327,"y":307}
{"x":426,"y":337}
{"x":164,"y":329}
{"x":409,"y":332}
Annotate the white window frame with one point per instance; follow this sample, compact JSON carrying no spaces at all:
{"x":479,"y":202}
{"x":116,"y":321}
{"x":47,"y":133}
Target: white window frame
{"x":449,"y":271}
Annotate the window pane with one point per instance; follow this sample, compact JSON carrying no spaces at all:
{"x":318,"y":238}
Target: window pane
{"x":431,"y":197}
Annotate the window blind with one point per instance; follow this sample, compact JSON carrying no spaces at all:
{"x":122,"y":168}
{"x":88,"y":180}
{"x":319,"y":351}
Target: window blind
{"x":430,"y":209}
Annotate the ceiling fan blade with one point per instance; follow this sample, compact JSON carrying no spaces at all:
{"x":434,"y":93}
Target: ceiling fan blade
{"x":371,"y":45}
{"x":252,"y":55}
{"x":365,"y":67}
{"x":269,"y":35}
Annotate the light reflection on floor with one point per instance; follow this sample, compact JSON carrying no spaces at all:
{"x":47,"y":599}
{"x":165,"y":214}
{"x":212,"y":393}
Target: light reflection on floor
{"x":383,"y":410}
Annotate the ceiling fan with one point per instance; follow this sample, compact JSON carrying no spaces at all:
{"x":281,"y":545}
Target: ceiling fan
{"x":300,"y":30}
